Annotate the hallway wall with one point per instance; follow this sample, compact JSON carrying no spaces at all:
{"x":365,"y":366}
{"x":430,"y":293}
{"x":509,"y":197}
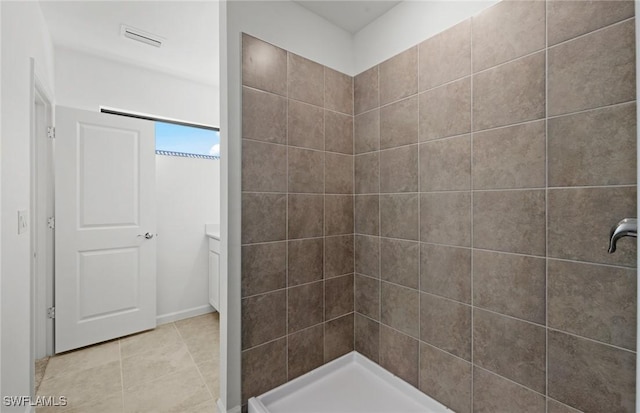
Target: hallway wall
{"x":490,"y":162}
{"x":87,"y":81}
{"x":24,"y":36}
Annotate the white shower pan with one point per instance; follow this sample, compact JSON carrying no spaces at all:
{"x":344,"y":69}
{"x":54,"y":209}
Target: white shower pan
{"x":349,"y":384}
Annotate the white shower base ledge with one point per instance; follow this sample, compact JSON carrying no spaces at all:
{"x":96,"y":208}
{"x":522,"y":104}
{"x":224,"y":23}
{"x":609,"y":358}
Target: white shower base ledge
{"x":349,"y":384}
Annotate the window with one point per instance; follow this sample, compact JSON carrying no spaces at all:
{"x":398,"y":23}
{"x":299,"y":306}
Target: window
{"x":190,"y":141}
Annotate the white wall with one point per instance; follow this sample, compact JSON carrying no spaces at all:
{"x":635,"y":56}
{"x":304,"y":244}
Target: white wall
{"x":87,"y":81}
{"x":406,"y":25}
{"x":294,"y":28}
{"x":24,"y":35}
{"x":188,"y":197}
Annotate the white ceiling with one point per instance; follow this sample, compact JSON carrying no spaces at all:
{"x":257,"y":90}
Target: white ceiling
{"x":351,"y":15}
{"x":190,"y":30}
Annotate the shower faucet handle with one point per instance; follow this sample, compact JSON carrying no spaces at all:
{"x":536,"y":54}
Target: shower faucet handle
{"x":628,"y":227}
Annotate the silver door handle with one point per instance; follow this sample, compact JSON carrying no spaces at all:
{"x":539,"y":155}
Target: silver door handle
{"x":628,"y":227}
{"x":147,"y":235}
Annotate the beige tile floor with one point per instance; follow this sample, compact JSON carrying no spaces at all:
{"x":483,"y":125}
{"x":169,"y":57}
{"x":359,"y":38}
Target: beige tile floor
{"x":173,"y":368}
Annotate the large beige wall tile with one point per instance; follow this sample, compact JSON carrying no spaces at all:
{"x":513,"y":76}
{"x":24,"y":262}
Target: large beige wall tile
{"x":594,"y":301}
{"x":511,"y":157}
{"x":580,"y":220}
{"x":305,"y":80}
{"x":264,"y":66}
{"x":593,"y":148}
{"x":305,"y":351}
{"x":511,"y":348}
{"x":399,"y":354}
{"x":264,"y":167}
{"x":445,"y":378}
{"x":510,"y":93}
{"x":264,"y":116}
{"x":510,"y":284}
{"x":446,"y":110}
{"x":445,"y":218}
{"x":446,"y":56}
{"x":569,"y":19}
{"x":365,"y":91}
{"x":593,"y":71}
{"x":399,"y":76}
{"x":445,"y":165}
{"x":399,"y":308}
{"x":510,"y":221}
{"x":338,"y":91}
{"x":492,"y":393}
{"x":446,"y":324}
{"x":264,"y":267}
{"x":446,"y":271}
{"x":508,"y":30}
{"x":264,"y":318}
{"x":608,"y":372}
{"x":305,"y":125}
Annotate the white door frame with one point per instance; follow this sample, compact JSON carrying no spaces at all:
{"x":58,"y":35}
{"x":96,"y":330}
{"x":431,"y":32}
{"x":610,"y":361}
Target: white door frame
{"x":41,"y":204}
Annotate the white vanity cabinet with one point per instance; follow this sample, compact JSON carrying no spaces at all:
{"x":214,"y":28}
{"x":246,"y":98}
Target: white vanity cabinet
{"x":214,"y":273}
{"x":213,"y":232}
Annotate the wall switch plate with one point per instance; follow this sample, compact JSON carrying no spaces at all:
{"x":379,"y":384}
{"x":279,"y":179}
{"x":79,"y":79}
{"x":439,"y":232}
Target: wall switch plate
{"x":22,"y":221}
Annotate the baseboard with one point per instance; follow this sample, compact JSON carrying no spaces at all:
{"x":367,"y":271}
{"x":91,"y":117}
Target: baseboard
{"x":223,"y":409}
{"x":181,"y":315}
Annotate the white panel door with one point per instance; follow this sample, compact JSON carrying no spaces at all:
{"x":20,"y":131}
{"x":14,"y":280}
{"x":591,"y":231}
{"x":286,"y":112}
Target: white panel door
{"x":105,"y":278}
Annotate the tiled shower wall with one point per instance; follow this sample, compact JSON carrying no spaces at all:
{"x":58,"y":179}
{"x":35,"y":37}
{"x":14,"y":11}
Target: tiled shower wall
{"x":297,"y":216}
{"x":490,"y":162}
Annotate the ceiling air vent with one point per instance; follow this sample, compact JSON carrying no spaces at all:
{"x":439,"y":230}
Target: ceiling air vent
{"x":141,"y":36}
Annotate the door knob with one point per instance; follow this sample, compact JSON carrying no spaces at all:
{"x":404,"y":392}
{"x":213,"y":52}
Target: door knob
{"x":147,"y":235}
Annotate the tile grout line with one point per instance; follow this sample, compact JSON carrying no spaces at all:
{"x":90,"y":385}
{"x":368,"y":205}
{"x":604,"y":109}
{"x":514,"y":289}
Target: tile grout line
{"x":546,"y":204}
{"x":256,"y":89}
{"x":419,"y":231}
{"x":184,"y":343}
{"x":353,"y":177}
{"x":480,"y":131}
{"x":286,"y":235}
{"x":379,"y":225}
{"x":296,"y":286}
{"x":324,"y":211}
{"x":592,"y":340}
{"x":518,"y":254}
{"x":121,"y":372}
{"x":471,"y":186}
{"x":617,"y":23}
{"x":452,"y":191}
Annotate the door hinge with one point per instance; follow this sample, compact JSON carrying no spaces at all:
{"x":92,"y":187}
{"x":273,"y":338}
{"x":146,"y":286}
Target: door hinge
{"x":51,"y":222}
{"x":51,"y":312}
{"x":51,"y":132}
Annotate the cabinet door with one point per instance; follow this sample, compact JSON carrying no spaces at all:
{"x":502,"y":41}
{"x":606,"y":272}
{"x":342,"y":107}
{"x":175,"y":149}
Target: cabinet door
{"x":214,"y":280}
